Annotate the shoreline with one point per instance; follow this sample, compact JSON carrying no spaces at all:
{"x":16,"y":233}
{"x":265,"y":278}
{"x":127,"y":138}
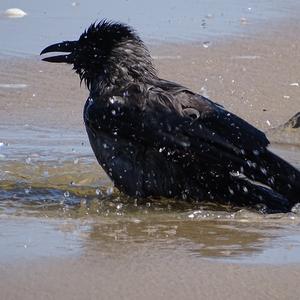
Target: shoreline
{"x":255,"y":77}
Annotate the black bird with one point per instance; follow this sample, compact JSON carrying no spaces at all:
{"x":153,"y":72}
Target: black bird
{"x":156,"y":138}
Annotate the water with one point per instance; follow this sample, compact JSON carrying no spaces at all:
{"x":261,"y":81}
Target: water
{"x":28,"y":238}
{"x":49,"y":22}
{"x":56,"y":201}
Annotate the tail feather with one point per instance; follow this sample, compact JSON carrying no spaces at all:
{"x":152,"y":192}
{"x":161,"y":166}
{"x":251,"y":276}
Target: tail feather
{"x":271,"y":170}
{"x":242,"y":192}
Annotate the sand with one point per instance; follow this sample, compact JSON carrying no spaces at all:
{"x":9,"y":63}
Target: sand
{"x":250,"y":76}
{"x":146,"y":274}
{"x":255,"y":77}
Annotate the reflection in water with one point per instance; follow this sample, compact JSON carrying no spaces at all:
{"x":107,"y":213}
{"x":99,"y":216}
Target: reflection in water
{"x":202,"y":238}
{"x":107,"y":228}
{"x":28,"y":238}
{"x":242,"y":237}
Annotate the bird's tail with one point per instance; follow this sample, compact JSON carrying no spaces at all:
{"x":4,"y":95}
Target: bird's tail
{"x":242,"y":192}
{"x":278,"y":174}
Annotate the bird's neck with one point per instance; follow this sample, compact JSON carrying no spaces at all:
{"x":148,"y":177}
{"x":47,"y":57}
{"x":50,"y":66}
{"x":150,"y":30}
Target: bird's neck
{"x":128,"y":63}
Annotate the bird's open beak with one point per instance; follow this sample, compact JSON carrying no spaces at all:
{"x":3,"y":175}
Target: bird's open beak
{"x":67,"y":46}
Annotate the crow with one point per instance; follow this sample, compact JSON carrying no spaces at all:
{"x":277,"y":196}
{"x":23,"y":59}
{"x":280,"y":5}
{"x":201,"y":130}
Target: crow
{"x":156,"y":138}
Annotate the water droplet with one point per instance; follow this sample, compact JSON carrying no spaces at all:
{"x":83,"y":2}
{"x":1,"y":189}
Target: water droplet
{"x":245,"y":189}
{"x":184,"y":196}
{"x":119,"y":206}
{"x":296,"y":208}
{"x":256,"y":152}
{"x":109,"y":191}
{"x":66,"y":194}
{"x":243,"y":21}
{"x":191,"y":216}
{"x":209,"y":16}
{"x":137,"y":221}
{"x":263,"y":170}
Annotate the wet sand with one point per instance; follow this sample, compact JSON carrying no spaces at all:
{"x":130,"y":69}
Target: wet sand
{"x":146,"y":274}
{"x":94,"y":258}
{"x":250,"y":76}
{"x":256,"y":77}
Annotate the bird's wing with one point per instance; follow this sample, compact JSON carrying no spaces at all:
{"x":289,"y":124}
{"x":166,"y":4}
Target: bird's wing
{"x":212,"y":116}
{"x":166,"y":116}
{"x":217,"y":122}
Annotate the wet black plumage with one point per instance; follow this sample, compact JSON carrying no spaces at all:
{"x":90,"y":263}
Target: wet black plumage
{"x":154,"y":137}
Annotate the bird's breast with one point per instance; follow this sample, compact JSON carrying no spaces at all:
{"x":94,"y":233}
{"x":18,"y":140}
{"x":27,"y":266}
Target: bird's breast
{"x":102,"y":111}
{"x":87,"y":109}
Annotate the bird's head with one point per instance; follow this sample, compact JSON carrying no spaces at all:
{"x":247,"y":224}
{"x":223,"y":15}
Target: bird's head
{"x":105,"y":51}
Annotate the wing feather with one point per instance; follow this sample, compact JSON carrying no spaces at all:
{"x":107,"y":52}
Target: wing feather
{"x":163,"y":116}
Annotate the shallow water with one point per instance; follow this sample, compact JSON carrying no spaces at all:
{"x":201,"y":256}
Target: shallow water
{"x":55,"y":200}
{"x":48,"y":22}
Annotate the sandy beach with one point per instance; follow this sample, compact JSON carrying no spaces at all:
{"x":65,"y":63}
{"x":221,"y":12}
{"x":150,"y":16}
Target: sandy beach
{"x":256,"y":77}
{"x":146,"y":275}
{"x":138,"y":253}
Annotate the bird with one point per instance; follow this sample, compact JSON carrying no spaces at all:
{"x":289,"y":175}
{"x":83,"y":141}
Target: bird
{"x":156,"y":138}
